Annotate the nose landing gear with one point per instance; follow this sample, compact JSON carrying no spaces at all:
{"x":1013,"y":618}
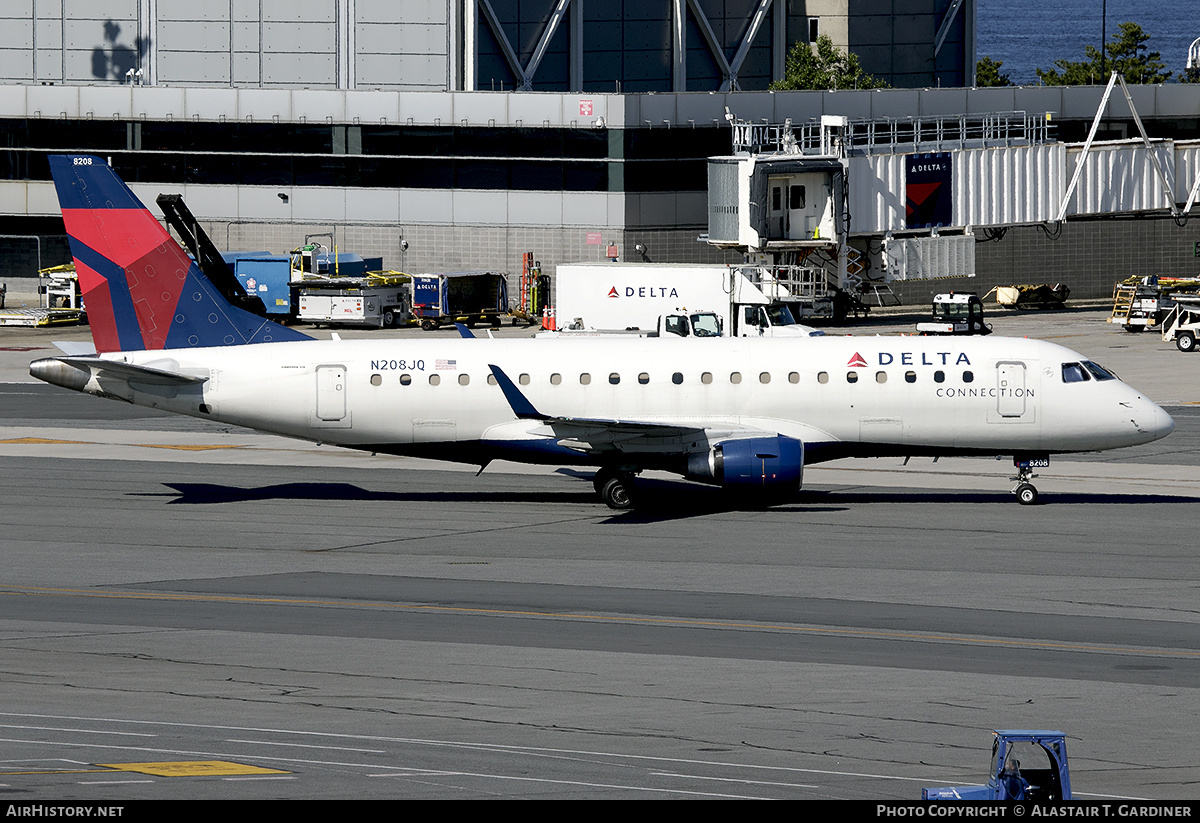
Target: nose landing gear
{"x":1026,"y":492}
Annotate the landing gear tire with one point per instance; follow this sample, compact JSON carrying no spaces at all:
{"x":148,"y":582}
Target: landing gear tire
{"x":1027,"y":494}
{"x":618,"y":493}
{"x":1185,"y":341}
{"x":615,"y":488}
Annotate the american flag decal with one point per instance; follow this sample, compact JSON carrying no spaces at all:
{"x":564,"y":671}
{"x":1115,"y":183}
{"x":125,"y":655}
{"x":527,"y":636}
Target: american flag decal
{"x":445,"y":364}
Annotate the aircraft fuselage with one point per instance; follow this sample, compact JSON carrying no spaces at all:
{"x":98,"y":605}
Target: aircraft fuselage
{"x":840,"y":396}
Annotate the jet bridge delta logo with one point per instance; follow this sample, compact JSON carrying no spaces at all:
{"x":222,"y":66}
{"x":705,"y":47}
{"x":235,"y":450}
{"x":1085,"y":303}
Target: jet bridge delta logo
{"x":928,"y":190}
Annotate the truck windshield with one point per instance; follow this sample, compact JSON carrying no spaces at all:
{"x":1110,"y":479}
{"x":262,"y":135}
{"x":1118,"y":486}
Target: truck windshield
{"x":780,"y":315}
{"x":950,"y":311}
{"x":706,"y":325}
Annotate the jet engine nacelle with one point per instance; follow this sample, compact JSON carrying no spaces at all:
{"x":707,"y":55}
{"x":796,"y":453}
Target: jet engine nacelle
{"x":766,"y":462}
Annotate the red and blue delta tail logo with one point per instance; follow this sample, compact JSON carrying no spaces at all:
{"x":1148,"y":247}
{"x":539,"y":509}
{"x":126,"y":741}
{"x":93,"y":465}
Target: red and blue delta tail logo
{"x":141,"y":290}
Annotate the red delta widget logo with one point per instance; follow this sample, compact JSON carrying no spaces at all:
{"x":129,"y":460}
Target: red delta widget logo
{"x":644,"y":291}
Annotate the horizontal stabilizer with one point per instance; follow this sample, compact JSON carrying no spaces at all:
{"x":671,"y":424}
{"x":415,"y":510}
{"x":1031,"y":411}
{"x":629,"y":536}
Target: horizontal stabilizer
{"x":74,"y":348}
{"x":44,"y":369}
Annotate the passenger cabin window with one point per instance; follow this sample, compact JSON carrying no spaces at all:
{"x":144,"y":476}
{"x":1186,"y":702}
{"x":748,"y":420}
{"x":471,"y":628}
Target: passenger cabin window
{"x":765,"y":377}
{"x":822,"y":377}
{"x":794,"y":377}
{"x":910,"y":377}
{"x":585,"y":379}
{"x":555,"y":379}
{"x":1074,"y":373}
{"x":880,"y":377}
{"x":706,"y":378}
{"x":643,"y":378}
{"x":939,"y":377}
{"x":491,"y":379}
{"x":735,"y":377}
{"x":524,"y":379}
{"x":968,"y":377}
{"x":434,"y":379}
{"x":405,"y":379}
{"x":851,"y":377}
{"x":464,"y":379}
{"x":614,"y":378}
{"x":677,"y":378}
{"x":377,"y":380}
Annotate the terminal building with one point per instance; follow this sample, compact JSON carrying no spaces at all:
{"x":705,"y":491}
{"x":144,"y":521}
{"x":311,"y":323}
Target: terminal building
{"x":450,"y":135}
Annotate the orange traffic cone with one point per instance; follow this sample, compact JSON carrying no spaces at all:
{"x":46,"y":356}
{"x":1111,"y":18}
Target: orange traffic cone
{"x":553,"y":319}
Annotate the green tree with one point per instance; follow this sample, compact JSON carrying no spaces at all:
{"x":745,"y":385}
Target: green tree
{"x":824,"y":68}
{"x":987,"y":73}
{"x":1126,"y":54}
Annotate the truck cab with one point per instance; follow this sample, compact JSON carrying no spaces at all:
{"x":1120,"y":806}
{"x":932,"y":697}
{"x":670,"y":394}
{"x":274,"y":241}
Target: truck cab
{"x":1026,"y":765}
{"x":693,"y":324}
{"x":769,"y":320}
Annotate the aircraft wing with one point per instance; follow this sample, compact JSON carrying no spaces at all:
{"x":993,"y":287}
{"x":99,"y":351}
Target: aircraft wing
{"x":595,"y":435}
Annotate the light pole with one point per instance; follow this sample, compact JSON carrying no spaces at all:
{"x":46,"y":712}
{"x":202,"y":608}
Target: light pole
{"x":1103,"y":39}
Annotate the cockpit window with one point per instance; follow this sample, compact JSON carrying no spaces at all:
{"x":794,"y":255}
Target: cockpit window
{"x":1074,"y":373}
{"x":1098,"y":371}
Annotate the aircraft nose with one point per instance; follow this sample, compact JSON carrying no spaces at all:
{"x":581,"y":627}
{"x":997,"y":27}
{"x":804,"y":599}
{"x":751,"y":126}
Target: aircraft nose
{"x":1163,"y":423}
{"x":1152,"y":420}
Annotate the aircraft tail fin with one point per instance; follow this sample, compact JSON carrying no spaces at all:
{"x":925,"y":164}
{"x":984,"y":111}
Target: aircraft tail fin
{"x":141,"y":290}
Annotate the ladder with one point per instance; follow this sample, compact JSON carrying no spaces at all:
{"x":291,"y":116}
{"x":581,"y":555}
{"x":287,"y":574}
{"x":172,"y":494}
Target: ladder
{"x":1124,"y":297}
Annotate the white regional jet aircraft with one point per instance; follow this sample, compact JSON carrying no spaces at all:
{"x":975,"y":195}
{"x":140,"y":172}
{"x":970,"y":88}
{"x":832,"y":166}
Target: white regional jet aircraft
{"x":739,"y":413}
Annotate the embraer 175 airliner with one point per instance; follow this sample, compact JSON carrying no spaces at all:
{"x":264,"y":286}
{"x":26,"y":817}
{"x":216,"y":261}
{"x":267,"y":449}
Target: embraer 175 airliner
{"x":742,"y":413}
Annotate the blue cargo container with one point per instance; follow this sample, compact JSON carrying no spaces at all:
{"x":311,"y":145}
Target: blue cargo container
{"x":267,"y":276}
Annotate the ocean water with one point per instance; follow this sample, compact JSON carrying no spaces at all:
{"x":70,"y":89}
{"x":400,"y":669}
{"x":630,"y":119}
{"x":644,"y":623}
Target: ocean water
{"x":1031,"y":34}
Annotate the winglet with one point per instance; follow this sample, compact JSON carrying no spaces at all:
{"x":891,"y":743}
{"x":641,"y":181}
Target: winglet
{"x":464,"y":331}
{"x":521,"y":406}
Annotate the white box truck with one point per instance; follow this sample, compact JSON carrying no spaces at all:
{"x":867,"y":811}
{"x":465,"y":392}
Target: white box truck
{"x":623,"y":296}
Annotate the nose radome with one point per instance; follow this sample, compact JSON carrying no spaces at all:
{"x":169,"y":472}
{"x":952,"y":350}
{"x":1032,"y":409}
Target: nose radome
{"x":1164,"y":424}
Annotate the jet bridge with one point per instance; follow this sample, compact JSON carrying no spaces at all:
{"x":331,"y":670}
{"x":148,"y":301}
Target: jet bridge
{"x":916,"y":191}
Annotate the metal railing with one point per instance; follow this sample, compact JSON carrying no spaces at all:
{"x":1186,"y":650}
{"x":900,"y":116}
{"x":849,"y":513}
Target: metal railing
{"x":787,"y":281}
{"x":885,"y":134}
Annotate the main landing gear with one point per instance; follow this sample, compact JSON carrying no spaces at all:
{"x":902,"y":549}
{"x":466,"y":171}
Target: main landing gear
{"x":1026,"y":492}
{"x":615,"y":486}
